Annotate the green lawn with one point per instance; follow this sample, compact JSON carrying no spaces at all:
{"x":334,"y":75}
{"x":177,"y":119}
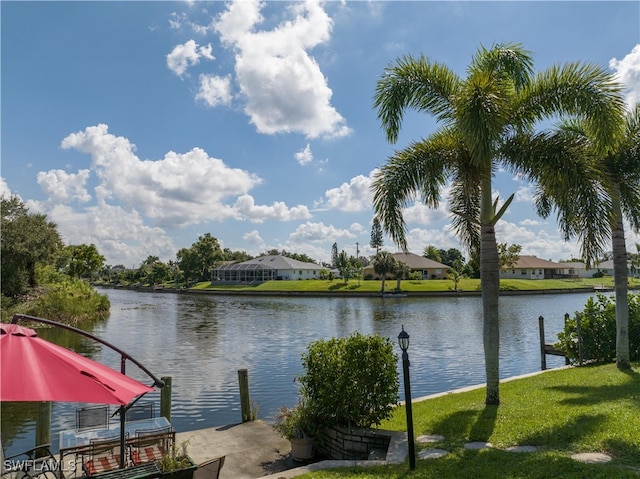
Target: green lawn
{"x":434,"y":285}
{"x":562,"y":412}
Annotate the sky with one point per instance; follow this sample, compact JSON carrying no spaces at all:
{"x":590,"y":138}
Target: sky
{"x":140,"y":126}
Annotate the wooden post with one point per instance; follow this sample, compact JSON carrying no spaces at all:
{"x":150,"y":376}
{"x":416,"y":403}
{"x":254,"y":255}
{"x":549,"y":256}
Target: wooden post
{"x":245,"y":402}
{"x":43,"y":424}
{"x":165,"y":398}
{"x":543,"y":354}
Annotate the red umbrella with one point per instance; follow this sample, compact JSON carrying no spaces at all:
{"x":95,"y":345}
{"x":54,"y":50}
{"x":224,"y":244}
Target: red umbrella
{"x":33,"y":369}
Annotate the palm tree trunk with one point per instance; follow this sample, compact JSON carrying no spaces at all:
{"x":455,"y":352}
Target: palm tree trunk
{"x":490,"y":283}
{"x":620,"y":279}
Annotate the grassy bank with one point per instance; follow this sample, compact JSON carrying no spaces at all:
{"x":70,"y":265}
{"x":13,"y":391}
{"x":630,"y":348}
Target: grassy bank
{"x":409,"y":286}
{"x":561,"y":412}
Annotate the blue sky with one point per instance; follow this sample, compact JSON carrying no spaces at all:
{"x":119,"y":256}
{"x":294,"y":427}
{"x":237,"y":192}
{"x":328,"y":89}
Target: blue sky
{"x":139,"y":126}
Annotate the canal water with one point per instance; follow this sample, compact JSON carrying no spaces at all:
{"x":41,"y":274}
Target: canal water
{"x":201,"y":341}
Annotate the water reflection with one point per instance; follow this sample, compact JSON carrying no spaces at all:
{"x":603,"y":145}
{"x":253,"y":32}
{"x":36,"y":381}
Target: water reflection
{"x":201,"y":341}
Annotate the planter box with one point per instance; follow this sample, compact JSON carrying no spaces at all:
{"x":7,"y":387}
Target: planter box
{"x":340,"y":443}
{"x":185,"y":473}
{"x":302,"y":449}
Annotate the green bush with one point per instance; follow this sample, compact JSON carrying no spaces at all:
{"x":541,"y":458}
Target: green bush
{"x":350,"y":381}
{"x":598,"y":330}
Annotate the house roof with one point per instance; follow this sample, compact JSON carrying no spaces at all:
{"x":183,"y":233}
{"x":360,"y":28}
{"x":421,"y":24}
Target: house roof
{"x":525,"y":262}
{"x":278,"y":262}
{"x":414,"y":261}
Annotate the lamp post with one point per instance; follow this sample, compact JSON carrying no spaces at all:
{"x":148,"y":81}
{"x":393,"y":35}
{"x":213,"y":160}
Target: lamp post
{"x":403,"y":341}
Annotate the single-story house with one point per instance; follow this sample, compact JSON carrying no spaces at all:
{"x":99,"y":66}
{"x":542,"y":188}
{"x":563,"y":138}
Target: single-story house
{"x":266,"y":268}
{"x":429,"y":268}
{"x":580,"y":270}
{"x":532,"y":267}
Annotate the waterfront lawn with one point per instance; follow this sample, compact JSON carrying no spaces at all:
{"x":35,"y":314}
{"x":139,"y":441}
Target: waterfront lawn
{"x":433,"y":285}
{"x":561,"y":412}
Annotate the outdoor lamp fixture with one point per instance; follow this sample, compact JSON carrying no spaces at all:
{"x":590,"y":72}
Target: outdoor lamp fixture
{"x":403,"y":341}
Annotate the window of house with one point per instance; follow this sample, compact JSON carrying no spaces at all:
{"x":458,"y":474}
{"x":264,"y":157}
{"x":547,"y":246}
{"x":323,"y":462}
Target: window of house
{"x":523,"y":272}
{"x":539,"y":271}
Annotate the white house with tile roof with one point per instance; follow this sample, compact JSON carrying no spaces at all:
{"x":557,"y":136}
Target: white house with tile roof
{"x":532,"y":267}
{"x":430,"y":269}
{"x":266,"y":268}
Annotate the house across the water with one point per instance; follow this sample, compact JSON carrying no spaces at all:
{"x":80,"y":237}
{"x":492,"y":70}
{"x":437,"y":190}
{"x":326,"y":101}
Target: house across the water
{"x":266,"y":268}
{"x":532,"y":267}
{"x":427,"y":267}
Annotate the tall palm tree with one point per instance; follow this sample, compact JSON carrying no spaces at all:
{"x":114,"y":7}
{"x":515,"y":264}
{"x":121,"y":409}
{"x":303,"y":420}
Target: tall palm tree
{"x":608,"y":191}
{"x":383,"y":263}
{"x":499,"y":98}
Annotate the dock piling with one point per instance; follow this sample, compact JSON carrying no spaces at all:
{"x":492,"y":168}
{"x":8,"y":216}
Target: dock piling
{"x":245,"y":402}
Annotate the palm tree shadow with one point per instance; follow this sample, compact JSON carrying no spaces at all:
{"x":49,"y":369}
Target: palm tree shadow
{"x":485,"y":424}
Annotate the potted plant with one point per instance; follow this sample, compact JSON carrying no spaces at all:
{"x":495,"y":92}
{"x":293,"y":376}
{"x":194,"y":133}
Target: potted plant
{"x":176,"y":463}
{"x":298,"y":425}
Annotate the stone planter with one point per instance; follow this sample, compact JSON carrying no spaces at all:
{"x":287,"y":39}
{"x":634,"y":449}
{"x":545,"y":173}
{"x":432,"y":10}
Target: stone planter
{"x":341,"y":443}
{"x":302,"y":449}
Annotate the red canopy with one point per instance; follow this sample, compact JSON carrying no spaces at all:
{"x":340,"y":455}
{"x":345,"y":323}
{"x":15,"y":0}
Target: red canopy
{"x":33,"y":369}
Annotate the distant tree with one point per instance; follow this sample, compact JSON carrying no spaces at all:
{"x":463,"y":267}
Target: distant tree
{"x":83,"y":260}
{"x":271,"y":252}
{"x":188,"y":263}
{"x":402,"y":272}
{"x":239,"y":256}
{"x":27,"y":239}
{"x":456,"y":276}
{"x":508,"y":255}
{"x":433,"y":253}
{"x":301,"y":257}
{"x":346,"y":266}
{"x":452,"y":257}
{"x":377,"y":238}
{"x":209,"y":254}
{"x":334,"y":255}
{"x":383,"y":264}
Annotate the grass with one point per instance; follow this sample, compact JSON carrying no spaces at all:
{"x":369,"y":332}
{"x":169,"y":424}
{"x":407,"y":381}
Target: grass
{"x":435,"y":285}
{"x":561,"y":412}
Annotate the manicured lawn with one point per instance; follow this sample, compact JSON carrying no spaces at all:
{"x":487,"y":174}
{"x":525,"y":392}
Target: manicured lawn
{"x":434,"y":285}
{"x":561,"y":412}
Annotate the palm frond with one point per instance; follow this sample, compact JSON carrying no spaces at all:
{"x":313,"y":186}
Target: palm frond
{"x":413,"y":84}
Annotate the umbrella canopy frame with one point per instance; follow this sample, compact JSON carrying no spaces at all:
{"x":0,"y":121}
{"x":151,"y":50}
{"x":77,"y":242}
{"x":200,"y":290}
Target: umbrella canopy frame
{"x":123,"y":359}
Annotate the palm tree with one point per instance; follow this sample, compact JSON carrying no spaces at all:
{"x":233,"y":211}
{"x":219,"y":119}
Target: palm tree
{"x":499,"y":98}
{"x":609,"y":191}
{"x":383,"y":263}
{"x":402,"y":270}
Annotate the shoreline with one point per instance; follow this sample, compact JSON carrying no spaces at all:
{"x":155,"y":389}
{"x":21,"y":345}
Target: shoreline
{"x":354,"y":294}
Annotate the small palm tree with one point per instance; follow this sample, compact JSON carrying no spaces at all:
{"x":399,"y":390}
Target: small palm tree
{"x":402,"y":270}
{"x":384,"y":263}
{"x":499,"y":99}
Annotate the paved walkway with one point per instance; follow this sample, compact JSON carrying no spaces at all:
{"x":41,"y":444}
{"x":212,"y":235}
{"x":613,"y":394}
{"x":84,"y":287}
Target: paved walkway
{"x":254,"y":450}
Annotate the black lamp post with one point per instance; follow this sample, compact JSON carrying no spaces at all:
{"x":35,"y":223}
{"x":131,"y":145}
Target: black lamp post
{"x":403,"y":341}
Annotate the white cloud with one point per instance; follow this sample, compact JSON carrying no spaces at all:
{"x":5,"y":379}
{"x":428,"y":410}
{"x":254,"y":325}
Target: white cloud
{"x":524,"y":194}
{"x":253,"y":237}
{"x":120,"y":234}
{"x":187,"y":54}
{"x":63,"y":187}
{"x":304,"y":156}
{"x":214,"y":90}
{"x":178,"y":190}
{"x":5,"y":191}
{"x":284,"y":88}
{"x":422,"y":214}
{"x":245,"y":208}
{"x":319,"y":232}
{"x":628,"y":72}
{"x":353,"y":196}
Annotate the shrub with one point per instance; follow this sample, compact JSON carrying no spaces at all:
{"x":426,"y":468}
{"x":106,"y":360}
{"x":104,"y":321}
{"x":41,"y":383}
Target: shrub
{"x":350,"y":381}
{"x":598,"y":330}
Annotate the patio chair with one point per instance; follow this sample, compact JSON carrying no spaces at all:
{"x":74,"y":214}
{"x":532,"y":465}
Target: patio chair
{"x":209,"y":469}
{"x":35,"y":463}
{"x":144,"y":410}
{"x":92,"y":417}
{"x":101,"y":455}
{"x":150,"y":445}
